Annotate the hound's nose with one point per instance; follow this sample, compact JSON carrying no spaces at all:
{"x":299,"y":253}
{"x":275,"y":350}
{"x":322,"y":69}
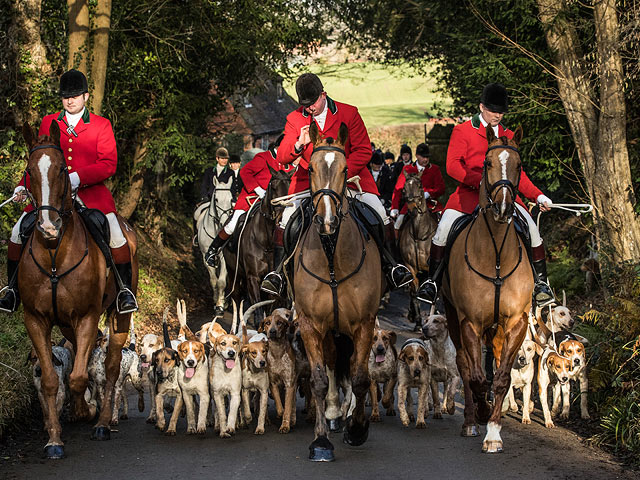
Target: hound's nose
{"x":262,"y":363}
{"x":143,"y":357}
{"x":564,"y":379}
{"x":231,"y":353}
{"x":571,"y":323}
{"x":522,"y":360}
{"x":298,"y":335}
{"x":417,"y":372}
{"x":38,"y":371}
{"x":273,"y":333}
{"x":191,"y":363}
{"x":576,"y":362}
{"x":380,"y":349}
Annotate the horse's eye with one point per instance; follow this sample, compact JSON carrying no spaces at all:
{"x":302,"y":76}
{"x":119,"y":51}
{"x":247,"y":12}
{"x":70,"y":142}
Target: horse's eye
{"x":310,"y":169}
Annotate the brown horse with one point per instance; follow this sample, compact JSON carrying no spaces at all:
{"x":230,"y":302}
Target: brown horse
{"x":63,"y":281}
{"x":489,"y":286}
{"x":415,"y":236}
{"x":337,"y":287}
{"x":256,"y":244}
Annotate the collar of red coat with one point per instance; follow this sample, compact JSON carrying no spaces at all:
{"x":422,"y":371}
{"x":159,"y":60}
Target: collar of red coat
{"x":86,"y":116}
{"x":331,"y":105}
{"x":476,"y":123}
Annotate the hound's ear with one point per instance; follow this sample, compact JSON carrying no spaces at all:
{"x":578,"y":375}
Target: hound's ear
{"x":175,"y":356}
{"x":551,"y":363}
{"x":243,"y":351}
{"x":56,"y":361}
{"x":538,"y":348}
{"x":403,"y":356}
{"x":517,"y":135}
{"x":490,"y":135}
{"x":394,"y":338}
{"x":54,"y":132}
{"x":313,"y":133}
{"x":154,"y":357}
{"x":343,"y":134}
{"x":261,"y":327}
{"x":29,"y":137}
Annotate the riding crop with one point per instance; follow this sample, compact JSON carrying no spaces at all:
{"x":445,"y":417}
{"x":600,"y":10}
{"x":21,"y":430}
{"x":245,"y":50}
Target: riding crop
{"x":8,"y":200}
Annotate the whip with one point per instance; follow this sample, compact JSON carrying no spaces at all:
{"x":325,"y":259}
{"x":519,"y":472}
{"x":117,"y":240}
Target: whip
{"x":577,"y":208}
{"x":8,"y":200}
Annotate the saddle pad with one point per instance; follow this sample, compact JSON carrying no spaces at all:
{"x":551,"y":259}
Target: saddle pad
{"x":232,"y":243}
{"x":296,"y":226}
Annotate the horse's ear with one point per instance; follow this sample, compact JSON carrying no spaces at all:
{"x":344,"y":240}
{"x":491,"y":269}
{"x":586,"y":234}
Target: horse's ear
{"x":27,"y":133}
{"x":271,"y":170}
{"x":313,"y":132}
{"x":54,"y":132}
{"x":490,"y":135}
{"x":343,"y":133}
{"x":517,"y":135}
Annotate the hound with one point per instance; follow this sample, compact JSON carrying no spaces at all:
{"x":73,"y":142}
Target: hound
{"x":129,"y":369}
{"x":225,"y":378}
{"x":555,"y":369}
{"x":574,"y":351}
{"x":303,"y":367}
{"x":383,"y":368}
{"x":522,"y":375}
{"x":413,"y":371}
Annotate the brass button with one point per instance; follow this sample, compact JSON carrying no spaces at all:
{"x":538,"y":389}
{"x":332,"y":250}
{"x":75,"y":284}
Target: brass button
{"x":70,"y":150}
{"x":69,"y":167}
{"x":69,"y":157}
{"x":70,"y":140}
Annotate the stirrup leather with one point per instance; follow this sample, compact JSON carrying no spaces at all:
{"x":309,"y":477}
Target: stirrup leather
{"x":6,"y":290}
{"x":135,"y":301}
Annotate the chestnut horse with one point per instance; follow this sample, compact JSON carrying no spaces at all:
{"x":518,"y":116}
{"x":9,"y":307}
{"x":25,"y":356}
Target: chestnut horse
{"x":414,"y":239}
{"x":63,"y":281}
{"x":489,"y":285}
{"x":337,"y":284}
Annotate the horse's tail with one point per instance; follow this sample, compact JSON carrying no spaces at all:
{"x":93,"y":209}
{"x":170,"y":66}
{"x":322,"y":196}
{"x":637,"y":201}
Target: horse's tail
{"x":132,"y":335}
{"x":252,"y":308}
{"x":165,"y":328}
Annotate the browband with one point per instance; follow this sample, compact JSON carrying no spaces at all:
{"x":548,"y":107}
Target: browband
{"x":328,"y":148}
{"x":42,"y":147}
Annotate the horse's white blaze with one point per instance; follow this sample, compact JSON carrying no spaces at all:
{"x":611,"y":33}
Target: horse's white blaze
{"x":329,"y":158}
{"x":43,"y":165}
{"x":493,"y":432}
{"x":504,"y":157}
{"x":327,"y":208}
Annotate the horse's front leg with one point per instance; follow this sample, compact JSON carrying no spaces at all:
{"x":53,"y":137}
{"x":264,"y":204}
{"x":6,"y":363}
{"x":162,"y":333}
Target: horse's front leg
{"x":471,"y":341}
{"x":357,"y":429}
{"x":40,"y":333}
{"x":321,"y":449}
{"x":101,"y":430}
{"x":515,"y":330}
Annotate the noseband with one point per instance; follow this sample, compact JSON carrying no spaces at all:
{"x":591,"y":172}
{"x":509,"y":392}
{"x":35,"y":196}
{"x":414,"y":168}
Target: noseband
{"x":492,"y":190}
{"x":335,"y":197}
{"x":417,"y":199}
{"x":62,"y":212}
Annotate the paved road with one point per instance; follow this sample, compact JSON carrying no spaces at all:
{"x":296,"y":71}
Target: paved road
{"x":137,"y":450}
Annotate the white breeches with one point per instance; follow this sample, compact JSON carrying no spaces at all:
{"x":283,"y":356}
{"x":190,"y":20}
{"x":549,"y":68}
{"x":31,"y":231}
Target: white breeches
{"x":230,"y":227}
{"x":116,"y":240}
{"x":369,"y":198}
{"x":449,"y":216}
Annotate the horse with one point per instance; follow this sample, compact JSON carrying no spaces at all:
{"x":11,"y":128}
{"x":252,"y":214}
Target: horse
{"x":337,"y":284}
{"x":209,"y":221}
{"x":253,"y":258}
{"x":415,"y":236}
{"x":62,"y":278}
{"x":488,"y":287}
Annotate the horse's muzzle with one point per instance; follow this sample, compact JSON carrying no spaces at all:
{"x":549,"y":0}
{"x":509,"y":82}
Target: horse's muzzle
{"x":326,"y":227}
{"x":502,"y":211}
{"x":50,"y":229}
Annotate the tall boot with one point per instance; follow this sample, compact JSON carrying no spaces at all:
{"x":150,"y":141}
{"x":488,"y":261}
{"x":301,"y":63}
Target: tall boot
{"x":273,"y":282}
{"x":125,"y":299}
{"x":212,"y":258}
{"x":398,"y":274}
{"x":428,"y":290}
{"x":10,"y":301}
{"x":542,"y":293}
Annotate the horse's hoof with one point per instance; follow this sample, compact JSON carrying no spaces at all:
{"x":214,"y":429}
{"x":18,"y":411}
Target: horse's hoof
{"x":54,"y":452}
{"x":492,"y":446}
{"x":470,"y":431}
{"x":334,"y":424}
{"x":355,"y":434}
{"x":321,"y":450}
{"x":101,"y":433}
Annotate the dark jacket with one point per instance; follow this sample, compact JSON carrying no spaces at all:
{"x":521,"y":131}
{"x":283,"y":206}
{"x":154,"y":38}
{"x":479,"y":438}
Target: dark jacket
{"x":385,"y":184}
{"x":207,"y":187}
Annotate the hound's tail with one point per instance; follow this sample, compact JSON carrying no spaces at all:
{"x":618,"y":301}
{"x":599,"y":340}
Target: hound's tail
{"x":132,"y":335}
{"x":252,"y":308}
{"x":165,"y":328}
{"x":185,"y":332}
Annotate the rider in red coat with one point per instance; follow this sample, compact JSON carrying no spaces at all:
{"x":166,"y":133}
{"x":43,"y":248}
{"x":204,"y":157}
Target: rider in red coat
{"x":465,"y":158}
{"x":256,"y":176}
{"x":432,"y":184}
{"x":89,"y":147}
{"x":328,"y":115}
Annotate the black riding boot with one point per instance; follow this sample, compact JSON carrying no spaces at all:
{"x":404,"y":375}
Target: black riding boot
{"x":10,"y":301}
{"x":428,"y":290}
{"x":212,"y":258}
{"x":542,"y":293}
{"x":273,"y":282}
{"x":398,"y":274}
{"x":125,"y":300}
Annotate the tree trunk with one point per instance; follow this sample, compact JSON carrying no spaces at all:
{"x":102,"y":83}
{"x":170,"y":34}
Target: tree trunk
{"x":129,"y":201}
{"x":599,"y":131}
{"x":100,"y":53}
{"x":78,"y":35}
{"x":32,"y":67}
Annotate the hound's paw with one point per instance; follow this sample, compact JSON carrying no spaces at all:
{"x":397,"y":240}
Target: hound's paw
{"x":124,"y":416}
{"x":201,"y":430}
{"x":564,"y":415}
{"x":513,"y":408}
{"x":405,"y":420}
{"x":170,"y":433}
{"x":374,"y":417}
{"x":422,"y":425}
{"x":231,"y":431}
{"x":151,"y":420}
{"x":225,"y":435}
{"x":526,"y":421}
{"x":451,"y":409}
{"x":391,"y":412}
{"x":437,"y":415}
{"x":284,"y":429}
{"x":191,"y":430}
{"x":585,"y":416}
{"x":160,"y":426}
{"x":412,"y":417}
{"x":549,"y":424}
{"x":259,"y":431}
{"x":113,"y":422}
{"x":531,"y":407}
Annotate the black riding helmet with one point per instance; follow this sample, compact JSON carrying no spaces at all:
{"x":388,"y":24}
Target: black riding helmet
{"x":73,"y":83}
{"x":309,"y":88}
{"x":494,"y":98}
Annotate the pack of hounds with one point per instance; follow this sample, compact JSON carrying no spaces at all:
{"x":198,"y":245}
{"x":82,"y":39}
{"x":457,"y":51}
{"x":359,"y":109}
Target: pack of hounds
{"x":235,"y":373}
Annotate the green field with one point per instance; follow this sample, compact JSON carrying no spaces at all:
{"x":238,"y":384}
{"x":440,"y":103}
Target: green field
{"x":385,"y":95}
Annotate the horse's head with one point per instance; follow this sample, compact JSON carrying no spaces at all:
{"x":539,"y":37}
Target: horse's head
{"x":278,"y":187}
{"x":501,"y":176}
{"x":413,"y":192}
{"x":328,"y":178}
{"x":50,"y":187}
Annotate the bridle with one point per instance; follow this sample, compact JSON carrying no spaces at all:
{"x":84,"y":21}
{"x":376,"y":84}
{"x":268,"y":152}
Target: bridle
{"x":492,"y":190}
{"x":417,"y":199}
{"x":335,"y":197}
{"x":62,"y":212}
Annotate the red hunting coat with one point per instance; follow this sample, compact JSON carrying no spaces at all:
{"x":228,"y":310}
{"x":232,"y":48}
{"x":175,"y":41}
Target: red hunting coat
{"x":256,"y":174}
{"x":92,"y":154}
{"x":465,"y":158}
{"x":432,"y":182}
{"x":358,"y":147}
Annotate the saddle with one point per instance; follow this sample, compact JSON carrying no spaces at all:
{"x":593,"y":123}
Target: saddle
{"x":232,"y":243}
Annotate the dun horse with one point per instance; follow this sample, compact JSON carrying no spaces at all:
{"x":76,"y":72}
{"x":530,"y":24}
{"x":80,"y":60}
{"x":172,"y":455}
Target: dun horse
{"x":209,"y":223}
{"x":63,"y":281}
{"x":337,"y":289}
{"x":256,"y":243}
{"x":489,"y":284}
{"x":415,"y":237}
